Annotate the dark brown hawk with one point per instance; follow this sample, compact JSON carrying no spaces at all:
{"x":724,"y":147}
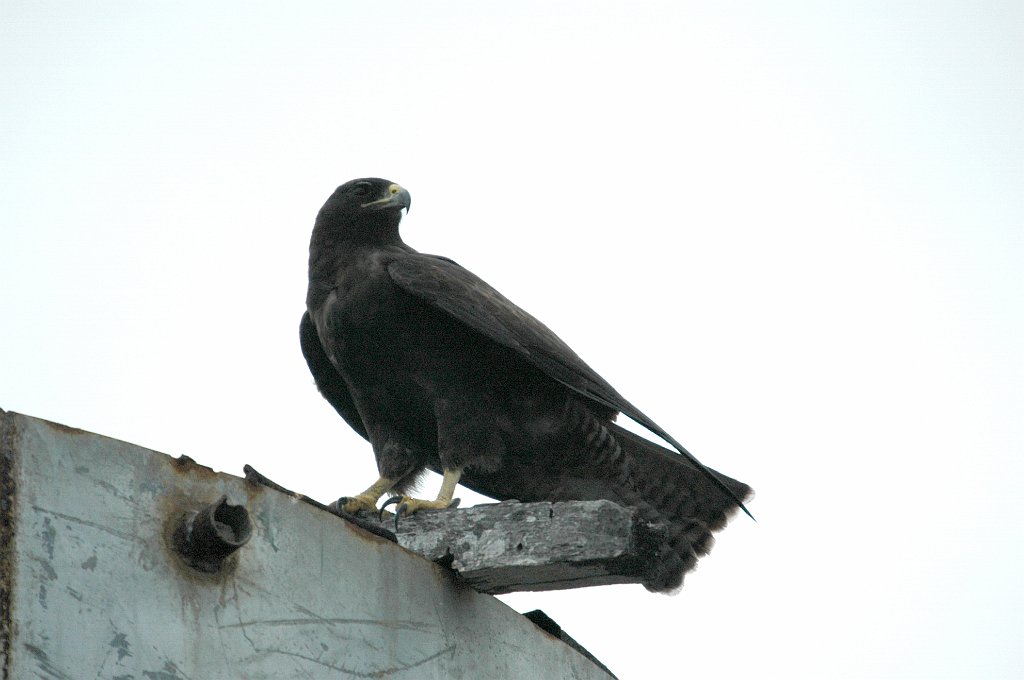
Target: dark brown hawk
{"x":438,"y":370}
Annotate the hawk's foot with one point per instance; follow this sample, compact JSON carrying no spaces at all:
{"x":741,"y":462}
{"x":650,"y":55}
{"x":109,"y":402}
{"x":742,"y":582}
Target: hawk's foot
{"x":408,"y":506}
{"x":353,"y":504}
{"x":367,"y":500}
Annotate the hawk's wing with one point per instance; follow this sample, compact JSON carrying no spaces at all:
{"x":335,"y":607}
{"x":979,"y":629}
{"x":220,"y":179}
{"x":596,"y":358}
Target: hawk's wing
{"x":457,"y":291}
{"x":328,"y":380}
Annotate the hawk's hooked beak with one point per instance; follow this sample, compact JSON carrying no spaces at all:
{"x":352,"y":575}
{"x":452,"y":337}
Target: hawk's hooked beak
{"x":396,"y":197}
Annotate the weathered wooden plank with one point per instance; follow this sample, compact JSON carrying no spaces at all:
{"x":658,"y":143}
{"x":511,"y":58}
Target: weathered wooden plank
{"x":506,"y":547}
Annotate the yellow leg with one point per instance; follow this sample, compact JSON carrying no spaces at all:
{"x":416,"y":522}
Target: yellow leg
{"x":367,"y":500}
{"x":407,"y":506}
{"x":448,"y":482}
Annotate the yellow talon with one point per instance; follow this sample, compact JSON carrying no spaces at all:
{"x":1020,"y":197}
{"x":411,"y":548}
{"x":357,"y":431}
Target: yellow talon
{"x":367,"y":500}
{"x":408,"y":506}
{"x":354,"y":504}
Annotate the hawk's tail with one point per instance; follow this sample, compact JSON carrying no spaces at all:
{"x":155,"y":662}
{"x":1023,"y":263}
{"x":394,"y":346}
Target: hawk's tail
{"x":674,"y":492}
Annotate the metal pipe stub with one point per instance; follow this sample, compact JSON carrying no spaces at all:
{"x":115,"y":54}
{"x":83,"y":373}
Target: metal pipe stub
{"x":205,"y":539}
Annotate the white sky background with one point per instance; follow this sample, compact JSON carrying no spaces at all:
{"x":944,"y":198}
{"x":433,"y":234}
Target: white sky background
{"x":792,"y":233}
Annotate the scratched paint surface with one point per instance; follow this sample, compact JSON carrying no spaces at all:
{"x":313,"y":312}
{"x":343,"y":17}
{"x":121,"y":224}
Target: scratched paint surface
{"x":98,"y":593}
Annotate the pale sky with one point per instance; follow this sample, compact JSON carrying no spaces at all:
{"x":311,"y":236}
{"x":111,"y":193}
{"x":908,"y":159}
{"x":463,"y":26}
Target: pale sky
{"x":792,"y":233}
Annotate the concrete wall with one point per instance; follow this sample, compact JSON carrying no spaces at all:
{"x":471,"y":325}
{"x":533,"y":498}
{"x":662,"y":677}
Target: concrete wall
{"x":90,"y":586}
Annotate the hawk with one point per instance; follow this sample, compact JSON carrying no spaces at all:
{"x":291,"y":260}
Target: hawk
{"x":440,"y":371}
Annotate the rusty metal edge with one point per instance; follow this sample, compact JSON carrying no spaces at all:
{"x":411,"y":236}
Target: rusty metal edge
{"x":8,"y":508}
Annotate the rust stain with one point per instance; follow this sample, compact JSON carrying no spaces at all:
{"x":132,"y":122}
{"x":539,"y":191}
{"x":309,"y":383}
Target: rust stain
{"x":175,"y":505}
{"x":187,"y":466}
{"x":8,"y":508}
{"x":66,"y":429}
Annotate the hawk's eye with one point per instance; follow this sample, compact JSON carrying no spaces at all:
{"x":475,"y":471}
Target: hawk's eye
{"x":362,"y":189}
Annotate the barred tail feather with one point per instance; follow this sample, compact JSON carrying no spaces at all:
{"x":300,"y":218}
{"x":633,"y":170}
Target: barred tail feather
{"x":672,"y":491}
